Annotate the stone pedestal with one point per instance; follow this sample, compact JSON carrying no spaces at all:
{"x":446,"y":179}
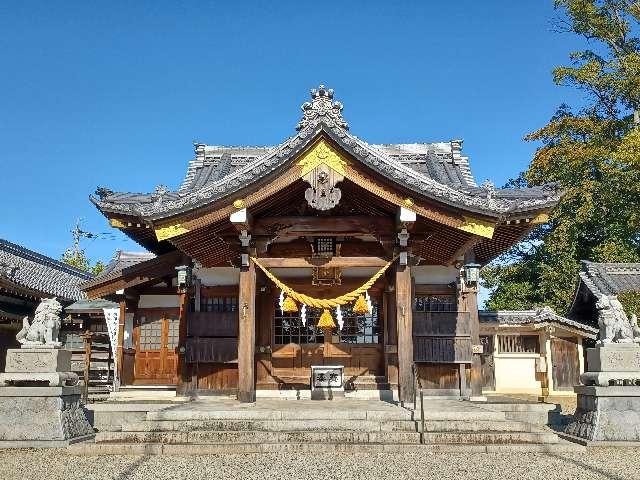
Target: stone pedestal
{"x":607,"y":414}
{"x":613,"y":364}
{"x":35,"y":417}
{"x":40,"y":400}
{"x":608,"y":404}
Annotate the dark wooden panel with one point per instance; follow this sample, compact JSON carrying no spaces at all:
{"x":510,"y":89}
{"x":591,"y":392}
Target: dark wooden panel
{"x":439,"y":376}
{"x":442,"y":349}
{"x":213,"y":324}
{"x":211,"y":350}
{"x":564,"y":358}
{"x":487,"y":362}
{"x":441,"y":323}
{"x":217,"y":377}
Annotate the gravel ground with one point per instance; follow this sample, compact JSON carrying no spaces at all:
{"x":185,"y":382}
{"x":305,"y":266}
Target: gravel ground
{"x":612,"y":464}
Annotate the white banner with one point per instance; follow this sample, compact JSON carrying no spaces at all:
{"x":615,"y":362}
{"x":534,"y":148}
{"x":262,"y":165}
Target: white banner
{"x":111,"y":317}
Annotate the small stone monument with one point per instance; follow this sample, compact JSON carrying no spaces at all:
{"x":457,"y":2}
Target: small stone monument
{"x":39,"y":395}
{"x":608,"y":408}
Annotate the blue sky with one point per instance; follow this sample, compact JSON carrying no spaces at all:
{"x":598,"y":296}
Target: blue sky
{"x":114,"y":93}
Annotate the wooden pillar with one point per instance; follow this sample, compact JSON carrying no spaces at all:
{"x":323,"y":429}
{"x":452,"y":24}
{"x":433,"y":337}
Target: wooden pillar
{"x":404,"y":320}
{"x":390,"y":332}
{"x":184,"y":386}
{"x":247,"y":334}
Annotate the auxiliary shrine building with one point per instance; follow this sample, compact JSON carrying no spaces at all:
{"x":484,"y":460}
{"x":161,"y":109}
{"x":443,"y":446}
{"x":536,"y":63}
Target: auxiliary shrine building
{"x":322,"y":250}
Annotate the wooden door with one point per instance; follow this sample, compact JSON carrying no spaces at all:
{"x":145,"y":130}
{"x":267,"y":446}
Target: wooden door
{"x":487,"y":362}
{"x":566,"y":367}
{"x":156,"y":342}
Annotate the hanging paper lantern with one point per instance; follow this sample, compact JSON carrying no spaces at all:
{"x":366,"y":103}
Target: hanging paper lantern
{"x":326,"y":320}
{"x":289,"y":305}
{"x":360,"y":307}
{"x":303,"y":315}
{"x":339,"y":317}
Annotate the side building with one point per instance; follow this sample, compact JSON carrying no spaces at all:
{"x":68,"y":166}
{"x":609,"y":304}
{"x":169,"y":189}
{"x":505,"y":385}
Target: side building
{"x":322,"y":214}
{"x":27,"y":277}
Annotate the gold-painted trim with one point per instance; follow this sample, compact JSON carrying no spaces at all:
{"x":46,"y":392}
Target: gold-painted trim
{"x":322,"y":153}
{"x":170,"y":231}
{"x":239,"y":204}
{"x":114,"y":222}
{"x":477,"y":227}
{"x":540,"y":218}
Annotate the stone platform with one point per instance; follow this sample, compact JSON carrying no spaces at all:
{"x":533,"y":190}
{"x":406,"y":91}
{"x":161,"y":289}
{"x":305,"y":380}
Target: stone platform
{"x":224,"y":425}
{"x":606,"y":414}
{"x":42,"y":417}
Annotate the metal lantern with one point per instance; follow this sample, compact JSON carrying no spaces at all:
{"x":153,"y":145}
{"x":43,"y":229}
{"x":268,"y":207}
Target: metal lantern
{"x":472,"y":273}
{"x":184,"y":276}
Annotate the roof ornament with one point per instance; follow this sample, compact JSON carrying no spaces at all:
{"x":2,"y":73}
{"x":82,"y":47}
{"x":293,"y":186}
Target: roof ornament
{"x":103,"y":192}
{"x":322,"y":108}
{"x":490,"y":191}
{"x":158,"y":194}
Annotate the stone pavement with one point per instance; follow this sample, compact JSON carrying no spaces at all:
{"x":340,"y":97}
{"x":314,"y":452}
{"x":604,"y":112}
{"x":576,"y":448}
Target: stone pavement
{"x":54,"y":464}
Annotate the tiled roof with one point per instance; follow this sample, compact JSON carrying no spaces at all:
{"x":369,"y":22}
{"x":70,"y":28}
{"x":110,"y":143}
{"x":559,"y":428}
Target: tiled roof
{"x":540,"y":315}
{"x":24,"y":268}
{"x":95,"y":304}
{"x":610,"y":278}
{"x":119,"y":262}
{"x":435,"y":170}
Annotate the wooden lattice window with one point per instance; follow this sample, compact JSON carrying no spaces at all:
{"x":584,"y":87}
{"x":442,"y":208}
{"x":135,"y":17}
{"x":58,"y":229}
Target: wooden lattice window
{"x":435,"y":303}
{"x":219,"y":304}
{"x":359,"y":329}
{"x":150,"y":334}
{"x":518,"y":344}
{"x":173,"y":333}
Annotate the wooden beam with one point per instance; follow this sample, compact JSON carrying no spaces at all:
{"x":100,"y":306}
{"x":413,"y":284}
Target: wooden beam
{"x":309,"y":262}
{"x":322,"y":226}
{"x":470,"y":301}
{"x":404,"y":320}
{"x":247,"y":335}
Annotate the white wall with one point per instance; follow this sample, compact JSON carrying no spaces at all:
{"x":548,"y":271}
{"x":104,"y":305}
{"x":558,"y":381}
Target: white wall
{"x":219,"y":276}
{"x":434,"y":274}
{"x":159,"y":301}
{"x":516,"y":373}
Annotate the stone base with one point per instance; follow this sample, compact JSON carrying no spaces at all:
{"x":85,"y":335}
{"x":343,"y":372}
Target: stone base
{"x":606,"y":414}
{"x":53,"y":379}
{"x":42,"y":416}
{"x":326,"y":393}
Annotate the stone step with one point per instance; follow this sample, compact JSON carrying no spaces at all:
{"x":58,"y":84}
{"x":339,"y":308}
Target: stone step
{"x":489,"y":438}
{"x":90,"y":448}
{"x":270,"y":425}
{"x":251,"y":437}
{"x":293,"y":414}
{"x":478,"y":426}
{"x":460,"y":415}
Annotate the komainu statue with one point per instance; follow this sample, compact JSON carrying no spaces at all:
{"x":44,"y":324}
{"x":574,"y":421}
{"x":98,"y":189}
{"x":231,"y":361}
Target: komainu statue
{"x":44,"y":328}
{"x":615,"y":326}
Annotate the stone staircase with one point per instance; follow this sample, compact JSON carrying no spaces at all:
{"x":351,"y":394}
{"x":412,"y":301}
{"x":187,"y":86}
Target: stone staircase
{"x":310,"y":426}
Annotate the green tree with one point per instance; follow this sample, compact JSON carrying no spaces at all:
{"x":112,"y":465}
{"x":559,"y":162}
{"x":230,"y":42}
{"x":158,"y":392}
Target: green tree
{"x":76,"y":256}
{"x":593,"y":153}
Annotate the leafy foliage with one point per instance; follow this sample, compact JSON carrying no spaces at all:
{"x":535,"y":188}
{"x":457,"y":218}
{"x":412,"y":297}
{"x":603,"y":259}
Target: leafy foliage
{"x":631,"y":302}
{"x":594,"y":153}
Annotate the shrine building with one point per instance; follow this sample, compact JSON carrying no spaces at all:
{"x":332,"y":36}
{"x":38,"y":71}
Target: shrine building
{"x":322,"y":250}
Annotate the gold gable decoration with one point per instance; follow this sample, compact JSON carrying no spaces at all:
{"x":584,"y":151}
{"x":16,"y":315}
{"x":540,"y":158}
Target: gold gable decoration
{"x":322,"y":153}
{"x":322,"y":168}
